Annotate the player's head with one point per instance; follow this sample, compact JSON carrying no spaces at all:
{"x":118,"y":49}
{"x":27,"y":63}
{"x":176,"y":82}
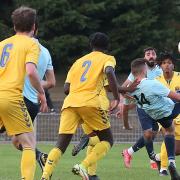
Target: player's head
{"x":166,"y":60}
{"x":150,"y":56}
{"x":99,"y":41}
{"x":139,"y":67}
{"x":24,"y":19}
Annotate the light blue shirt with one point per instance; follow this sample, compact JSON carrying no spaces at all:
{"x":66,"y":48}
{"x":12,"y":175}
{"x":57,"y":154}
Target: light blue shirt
{"x":151,"y":73}
{"x":151,"y":96}
{"x":44,"y":64}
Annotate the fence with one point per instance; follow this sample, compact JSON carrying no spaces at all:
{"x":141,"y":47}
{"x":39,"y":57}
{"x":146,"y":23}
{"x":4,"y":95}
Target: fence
{"x":47,"y":125}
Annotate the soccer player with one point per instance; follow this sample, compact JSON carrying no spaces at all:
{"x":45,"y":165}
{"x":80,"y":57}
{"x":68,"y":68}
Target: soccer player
{"x":152,"y":72}
{"x":82,"y":105}
{"x":44,"y":68}
{"x":19,"y":56}
{"x":155,"y":99}
{"x":171,"y":80}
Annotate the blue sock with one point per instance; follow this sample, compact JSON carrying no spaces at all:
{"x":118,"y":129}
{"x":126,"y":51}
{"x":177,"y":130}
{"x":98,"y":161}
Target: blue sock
{"x":139,"y":144}
{"x":150,"y":148}
{"x":170,"y":146}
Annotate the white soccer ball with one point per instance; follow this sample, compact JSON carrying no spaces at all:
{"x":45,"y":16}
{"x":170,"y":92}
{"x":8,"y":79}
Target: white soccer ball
{"x":179,"y":47}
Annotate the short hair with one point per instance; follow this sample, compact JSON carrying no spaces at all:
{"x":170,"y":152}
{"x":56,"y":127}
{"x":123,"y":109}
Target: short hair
{"x":23,"y":18}
{"x":99,"y":40}
{"x":165,"y":55}
{"x":149,"y":49}
{"x":137,"y":66}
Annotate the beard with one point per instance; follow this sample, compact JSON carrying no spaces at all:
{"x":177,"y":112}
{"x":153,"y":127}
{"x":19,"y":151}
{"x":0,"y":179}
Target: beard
{"x":150,"y":62}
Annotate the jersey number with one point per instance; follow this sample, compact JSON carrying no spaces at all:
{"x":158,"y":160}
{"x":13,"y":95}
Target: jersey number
{"x":142,"y":100}
{"x":87,"y":65}
{"x":5,"y":55}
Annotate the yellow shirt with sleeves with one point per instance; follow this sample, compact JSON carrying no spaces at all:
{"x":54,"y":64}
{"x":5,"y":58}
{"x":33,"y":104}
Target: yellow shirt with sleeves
{"x":86,"y":80}
{"x":173,"y":85}
{"x":15,"y":52}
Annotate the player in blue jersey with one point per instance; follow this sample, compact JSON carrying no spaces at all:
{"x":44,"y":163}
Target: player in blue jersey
{"x":156,"y":101}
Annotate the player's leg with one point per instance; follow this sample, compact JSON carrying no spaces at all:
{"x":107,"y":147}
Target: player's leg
{"x":18,"y":123}
{"x":68,"y":125}
{"x":98,"y":121}
{"x":177,"y":135}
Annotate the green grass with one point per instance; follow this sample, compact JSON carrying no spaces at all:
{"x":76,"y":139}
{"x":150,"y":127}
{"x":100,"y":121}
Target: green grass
{"x":109,"y":168}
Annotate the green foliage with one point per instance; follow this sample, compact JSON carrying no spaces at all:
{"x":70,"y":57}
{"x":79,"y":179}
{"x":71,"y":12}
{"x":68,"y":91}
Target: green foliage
{"x":65,"y":25}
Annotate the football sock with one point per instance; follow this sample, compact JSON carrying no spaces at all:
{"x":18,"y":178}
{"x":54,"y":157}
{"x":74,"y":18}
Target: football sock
{"x":170,"y":146}
{"x":164,"y":158}
{"x":38,"y":153}
{"x":93,"y":140}
{"x":92,"y":168}
{"x":28,"y":164}
{"x":51,"y":162}
{"x":130,"y":151}
{"x":149,"y":148}
{"x":99,"y":150}
{"x":139,"y":144}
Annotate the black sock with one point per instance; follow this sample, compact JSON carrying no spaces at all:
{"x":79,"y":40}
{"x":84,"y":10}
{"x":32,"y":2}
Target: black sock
{"x":38,"y":153}
{"x":149,"y":148}
{"x":139,"y":144}
{"x":170,"y":146}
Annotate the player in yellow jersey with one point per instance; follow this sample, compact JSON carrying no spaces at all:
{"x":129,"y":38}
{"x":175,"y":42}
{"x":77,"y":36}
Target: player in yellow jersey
{"x":82,"y":105}
{"x":170,"y":79}
{"x":19,"y":56}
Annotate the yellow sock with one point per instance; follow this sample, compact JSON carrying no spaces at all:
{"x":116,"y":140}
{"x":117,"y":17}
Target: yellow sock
{"x":93,"y":167}
{"x":99,"y":150}
{"x":164,"y":157}
{"x":28,"y":164}
{"x":93,"y":140}
{"x":51,"y":162}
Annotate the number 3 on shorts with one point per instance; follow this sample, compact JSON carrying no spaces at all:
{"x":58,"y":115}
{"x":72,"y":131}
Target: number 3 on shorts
{"x":87,"y":65}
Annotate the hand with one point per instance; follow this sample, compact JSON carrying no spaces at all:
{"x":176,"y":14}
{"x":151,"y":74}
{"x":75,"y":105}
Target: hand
{"x":132,"y":87}
{"x":42,"y":100}
{"x":113,"y":106}
{"x":128,"y":96}
{"x":119,"y":112}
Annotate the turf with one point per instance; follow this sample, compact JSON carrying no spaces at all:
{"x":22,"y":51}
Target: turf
{"x":109,"y":168}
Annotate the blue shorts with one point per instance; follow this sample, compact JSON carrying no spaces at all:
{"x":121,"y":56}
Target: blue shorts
{"x":166,"y":122}
{"x":146,"y":121}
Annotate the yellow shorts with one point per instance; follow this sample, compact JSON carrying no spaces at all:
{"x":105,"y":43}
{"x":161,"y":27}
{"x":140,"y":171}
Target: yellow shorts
{"x":15,"y":117}
{"x":177,"y":127}
{"x":95,"y":119}
{"x":86,"y":129}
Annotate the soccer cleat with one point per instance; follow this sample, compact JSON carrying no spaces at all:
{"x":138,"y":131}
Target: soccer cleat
{"x":94,"y":177}
{"x":173,"y":172}
{"x":84,"y":140}
{"x":127,"y":158}
{"x":80,"y":171}
{"x":42,"y":160}
{"x":153,"y":165}
{"x":163,"y":173}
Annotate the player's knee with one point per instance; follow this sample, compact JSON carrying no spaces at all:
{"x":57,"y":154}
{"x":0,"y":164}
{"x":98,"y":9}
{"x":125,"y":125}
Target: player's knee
{"x":148,"y":135}
{"x":106,"y":135}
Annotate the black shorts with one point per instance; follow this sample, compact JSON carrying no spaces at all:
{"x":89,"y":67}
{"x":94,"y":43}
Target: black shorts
{"x":32,"y":108}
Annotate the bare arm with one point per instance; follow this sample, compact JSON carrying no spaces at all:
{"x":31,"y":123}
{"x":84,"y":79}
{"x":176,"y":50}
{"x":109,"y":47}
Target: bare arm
{"x":174,"y":96}
{"x":50,"y":81}
{"x":66,"y":88}
{"x":35,"y":82}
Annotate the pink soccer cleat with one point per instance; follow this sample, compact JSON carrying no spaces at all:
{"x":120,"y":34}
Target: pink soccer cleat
{"x":127,"y":158}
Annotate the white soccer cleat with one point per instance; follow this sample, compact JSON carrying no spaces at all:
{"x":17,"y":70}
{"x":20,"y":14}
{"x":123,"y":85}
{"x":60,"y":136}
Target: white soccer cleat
{"x":79,"y":170}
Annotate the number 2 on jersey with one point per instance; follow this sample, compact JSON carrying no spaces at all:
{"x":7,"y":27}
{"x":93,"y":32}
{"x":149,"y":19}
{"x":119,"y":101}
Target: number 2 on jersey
{"x":5,"y":55}
{"x":87,"y":65}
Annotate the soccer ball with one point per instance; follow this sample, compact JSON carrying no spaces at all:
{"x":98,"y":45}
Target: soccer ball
{"x":179,"y":47}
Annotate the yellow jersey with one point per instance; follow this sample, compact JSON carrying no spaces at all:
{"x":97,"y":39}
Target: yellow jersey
{"x":86,"y":78}
{"x":173,"y":85}
{"x":15,"y":52}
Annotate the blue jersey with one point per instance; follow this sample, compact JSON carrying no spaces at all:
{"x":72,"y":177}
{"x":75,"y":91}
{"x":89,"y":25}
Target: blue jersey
{"x":151,"y":73}
{"x":44,"y":64}
{"x":151,"y":96}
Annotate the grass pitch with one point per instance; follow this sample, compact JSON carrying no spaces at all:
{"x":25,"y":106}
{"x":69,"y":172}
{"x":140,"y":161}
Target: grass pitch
{"x":109,"y":168}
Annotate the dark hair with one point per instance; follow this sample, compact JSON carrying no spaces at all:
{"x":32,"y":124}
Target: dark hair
{"x":99,"y":41}
{"x":165,"y":55}
{"x":149,"y":49}
{"x":24,"y":18}
{"x":137,"y":65}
